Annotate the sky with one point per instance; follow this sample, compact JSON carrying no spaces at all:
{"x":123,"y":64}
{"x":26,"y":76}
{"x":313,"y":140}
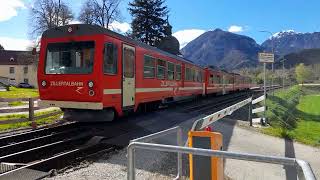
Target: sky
{"x":189,"y":18}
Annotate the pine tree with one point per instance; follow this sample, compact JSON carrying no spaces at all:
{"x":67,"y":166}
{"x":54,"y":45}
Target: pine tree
{"x":149,"y":20}
{"x":1,"y":47}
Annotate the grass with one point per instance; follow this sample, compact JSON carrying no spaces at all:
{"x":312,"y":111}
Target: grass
{"x":20,"y":116}
{"x":48,"y":120}
{"x":295,"y":114}
{"x":19,"y":93}
{"x":16,"y":103}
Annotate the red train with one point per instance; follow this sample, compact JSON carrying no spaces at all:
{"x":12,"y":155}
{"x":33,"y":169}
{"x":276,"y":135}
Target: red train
{"x":86,"y":68}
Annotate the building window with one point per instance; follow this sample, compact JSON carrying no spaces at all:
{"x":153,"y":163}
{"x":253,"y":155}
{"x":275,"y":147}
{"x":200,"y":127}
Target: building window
{"x":11,"y":70}
{"x":25,"y":69}
{"x":149,"y":69}
{"x":170,"y":71}
{"x":178,"y":72}
{"x":26,"y":81}
{"x":161,"y":69}
{"x":110,"y":58}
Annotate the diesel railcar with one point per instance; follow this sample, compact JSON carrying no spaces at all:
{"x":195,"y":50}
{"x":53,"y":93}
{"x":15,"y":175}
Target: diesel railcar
{"x":87,"y":69}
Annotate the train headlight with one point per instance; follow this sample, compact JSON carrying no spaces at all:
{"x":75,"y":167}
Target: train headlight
{"x":90,"y":84}
{"x":43,"y":83}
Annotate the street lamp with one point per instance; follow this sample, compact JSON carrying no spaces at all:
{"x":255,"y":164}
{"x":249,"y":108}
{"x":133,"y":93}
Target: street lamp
{"x":272,"y":44}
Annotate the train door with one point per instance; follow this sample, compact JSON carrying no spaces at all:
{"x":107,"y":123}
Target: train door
{"x":128,"y":76}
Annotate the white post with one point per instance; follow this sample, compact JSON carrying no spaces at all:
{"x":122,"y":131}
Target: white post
{"x":264,"y":93}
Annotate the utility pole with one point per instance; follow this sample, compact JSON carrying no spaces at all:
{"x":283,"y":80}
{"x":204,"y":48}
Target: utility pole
{"x":265,"y":58}
{"x":283,"y":73}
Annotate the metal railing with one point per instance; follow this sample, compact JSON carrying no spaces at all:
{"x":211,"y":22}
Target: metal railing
{"x":304,"y":170}
{"x":151,"y":137}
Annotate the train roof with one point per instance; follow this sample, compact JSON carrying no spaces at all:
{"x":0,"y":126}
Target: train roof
{"x":87,"y":29}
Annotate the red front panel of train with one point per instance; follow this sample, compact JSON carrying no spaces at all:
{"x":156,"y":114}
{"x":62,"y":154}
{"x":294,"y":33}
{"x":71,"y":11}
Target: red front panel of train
{"x":69,"y":69}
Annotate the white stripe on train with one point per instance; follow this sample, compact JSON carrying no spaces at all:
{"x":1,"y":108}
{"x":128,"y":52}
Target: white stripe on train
{"x":140,"y":90}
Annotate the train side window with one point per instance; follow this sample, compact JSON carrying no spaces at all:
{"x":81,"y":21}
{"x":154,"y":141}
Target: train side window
{"x":211,"y":79}
{"x":149,"y":69}
{"x":193,"y":74}
{"x":178,"y":72}
{"x":161,"y":69}
{"x":110,"y":58}
{"x":188,"y":76}
{"x":170,"y":71}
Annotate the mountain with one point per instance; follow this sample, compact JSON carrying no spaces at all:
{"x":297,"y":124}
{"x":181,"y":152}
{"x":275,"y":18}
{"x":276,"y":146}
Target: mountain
{"x":286,"y":42}
{"x":306,"y":56}
{"x":222,"y":49}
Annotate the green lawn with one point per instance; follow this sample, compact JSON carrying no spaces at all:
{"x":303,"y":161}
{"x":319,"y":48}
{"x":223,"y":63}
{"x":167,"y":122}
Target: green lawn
{"x":16,"y":103}
{"x":20,"y":116}
{"x":303,"y":117}
{"x":48,"y":120}
{"x":19,"y":93}
{"x":42,"y":121}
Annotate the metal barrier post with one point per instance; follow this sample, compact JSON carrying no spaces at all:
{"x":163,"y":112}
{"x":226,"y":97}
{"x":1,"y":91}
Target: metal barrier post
{"x":180,"y":143}
{"x":131,"y":174}
{"x":250,"y":113}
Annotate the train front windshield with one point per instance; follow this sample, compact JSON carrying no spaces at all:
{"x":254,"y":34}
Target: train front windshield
{"x":70,"y":58}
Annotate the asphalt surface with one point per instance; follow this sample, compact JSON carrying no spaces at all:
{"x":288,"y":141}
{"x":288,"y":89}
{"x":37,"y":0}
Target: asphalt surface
{"x":239,"y":139}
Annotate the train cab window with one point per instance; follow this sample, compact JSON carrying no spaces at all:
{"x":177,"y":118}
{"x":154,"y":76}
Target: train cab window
{"x":110,"y":58}
{"x":149,"y":69}
{"x":161,"y":69}
{"x":70,"y":58}
{"x":178,"y":72}
{"x":170,"y":71}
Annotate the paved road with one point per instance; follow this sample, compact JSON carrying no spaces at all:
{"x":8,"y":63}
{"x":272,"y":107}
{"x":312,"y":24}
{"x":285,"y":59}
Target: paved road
{"x":239,"y":139}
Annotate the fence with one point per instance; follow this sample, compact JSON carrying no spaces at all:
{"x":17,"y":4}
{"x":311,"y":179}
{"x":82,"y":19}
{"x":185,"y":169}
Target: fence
{"x":31,"y":109}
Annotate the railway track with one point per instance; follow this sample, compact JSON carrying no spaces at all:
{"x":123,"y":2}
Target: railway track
{"x":36,"y":154}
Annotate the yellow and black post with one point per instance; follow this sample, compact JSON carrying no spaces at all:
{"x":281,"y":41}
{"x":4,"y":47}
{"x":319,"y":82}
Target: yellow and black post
{"x":203,"y":167}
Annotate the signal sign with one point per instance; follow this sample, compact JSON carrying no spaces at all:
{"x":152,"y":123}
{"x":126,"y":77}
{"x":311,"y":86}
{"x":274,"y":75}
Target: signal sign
{"x":266,"y":57}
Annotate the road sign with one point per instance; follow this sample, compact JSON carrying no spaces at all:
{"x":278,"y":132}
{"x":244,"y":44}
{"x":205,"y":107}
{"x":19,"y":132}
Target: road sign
{"x":266,"y":57}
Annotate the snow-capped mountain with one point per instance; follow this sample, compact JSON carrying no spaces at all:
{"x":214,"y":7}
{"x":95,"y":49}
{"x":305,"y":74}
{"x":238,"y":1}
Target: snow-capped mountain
{"x":289,"y":41}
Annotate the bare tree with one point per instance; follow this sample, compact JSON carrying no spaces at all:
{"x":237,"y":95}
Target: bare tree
{"x":100,"y":12}
{"x":46,"y":14}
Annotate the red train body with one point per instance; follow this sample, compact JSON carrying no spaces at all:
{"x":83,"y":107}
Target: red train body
{"x":91,"y":68}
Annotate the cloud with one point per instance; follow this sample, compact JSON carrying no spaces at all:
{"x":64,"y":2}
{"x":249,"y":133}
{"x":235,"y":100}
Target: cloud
{"x":235,"y":29}
{"x":187,"y":35}
{"x":75,"y":22}
{"x":9,"y":8}
{"x":120,"y":27}
{"x":14,"y":43}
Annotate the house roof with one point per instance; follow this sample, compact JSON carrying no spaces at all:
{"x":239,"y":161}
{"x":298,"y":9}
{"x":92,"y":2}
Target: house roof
{"x":8,"y":57}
